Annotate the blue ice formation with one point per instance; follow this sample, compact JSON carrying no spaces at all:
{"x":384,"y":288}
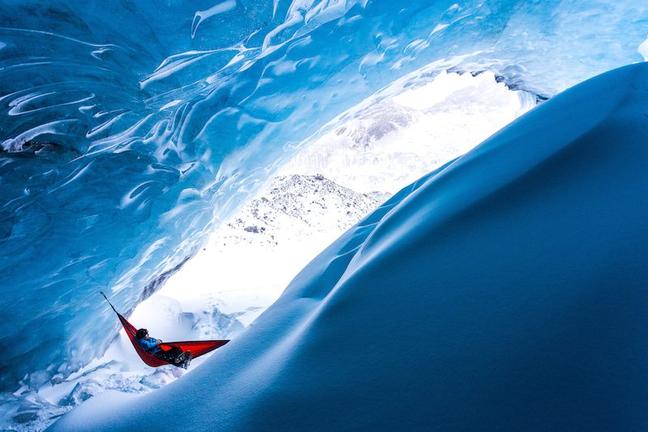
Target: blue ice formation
{"x":504,"y":291}
{"x":129,"y":127}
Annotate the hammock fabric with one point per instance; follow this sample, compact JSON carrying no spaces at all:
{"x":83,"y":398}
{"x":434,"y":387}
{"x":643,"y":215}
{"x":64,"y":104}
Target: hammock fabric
{"x":197,"y":348}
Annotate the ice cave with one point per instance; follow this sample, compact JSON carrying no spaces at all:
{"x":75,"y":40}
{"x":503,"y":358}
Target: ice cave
{"x":405,"y":215}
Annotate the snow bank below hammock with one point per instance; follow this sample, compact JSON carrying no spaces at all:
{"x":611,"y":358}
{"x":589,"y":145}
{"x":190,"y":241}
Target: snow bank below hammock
{"x":504,"y":291}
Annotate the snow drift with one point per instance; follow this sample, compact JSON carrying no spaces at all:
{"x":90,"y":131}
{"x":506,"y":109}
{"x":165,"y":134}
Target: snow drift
{"x":504,"y":291}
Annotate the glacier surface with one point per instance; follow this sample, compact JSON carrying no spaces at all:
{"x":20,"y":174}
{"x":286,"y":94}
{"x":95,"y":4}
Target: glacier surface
{"x":128,"y":129}
{"x":502,"y":291}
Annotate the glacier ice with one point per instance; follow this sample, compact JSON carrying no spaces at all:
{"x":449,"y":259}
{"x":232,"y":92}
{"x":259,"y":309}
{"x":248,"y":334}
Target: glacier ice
{"x":503,"y":291}
{"x":128,"y":129}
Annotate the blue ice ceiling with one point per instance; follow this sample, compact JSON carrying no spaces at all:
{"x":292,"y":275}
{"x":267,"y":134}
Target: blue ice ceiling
{"x":127,"y":128}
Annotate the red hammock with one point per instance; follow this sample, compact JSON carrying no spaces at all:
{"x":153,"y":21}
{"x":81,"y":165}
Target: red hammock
{"x":197,"y":348}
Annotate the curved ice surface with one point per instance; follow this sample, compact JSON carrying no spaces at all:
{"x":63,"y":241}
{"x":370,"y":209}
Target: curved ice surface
{"x":504,"y":291}
{"x":124,"y":125}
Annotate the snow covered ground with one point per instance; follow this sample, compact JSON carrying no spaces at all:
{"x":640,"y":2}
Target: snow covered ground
{"x":345,"y":172}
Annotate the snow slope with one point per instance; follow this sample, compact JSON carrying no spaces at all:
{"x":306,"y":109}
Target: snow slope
{"x":505,"y":290}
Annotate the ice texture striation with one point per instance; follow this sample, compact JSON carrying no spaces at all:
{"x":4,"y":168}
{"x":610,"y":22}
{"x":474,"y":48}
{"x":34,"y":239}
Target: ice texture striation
{"x":127,"y":128}
{"x":504,"y":291}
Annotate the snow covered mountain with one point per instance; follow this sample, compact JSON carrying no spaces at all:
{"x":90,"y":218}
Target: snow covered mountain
{"x":308,"y":204}
{"x":517,"y":273}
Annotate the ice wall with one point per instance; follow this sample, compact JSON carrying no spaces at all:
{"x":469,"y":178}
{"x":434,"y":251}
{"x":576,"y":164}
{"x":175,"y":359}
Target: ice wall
{"x":126,"y":128}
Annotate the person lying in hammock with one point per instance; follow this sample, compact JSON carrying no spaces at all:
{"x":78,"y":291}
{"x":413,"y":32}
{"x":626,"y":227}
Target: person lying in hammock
{"x":151,"y":345}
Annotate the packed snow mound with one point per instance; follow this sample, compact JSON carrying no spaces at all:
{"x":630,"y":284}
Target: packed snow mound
{"x":503,"y":291}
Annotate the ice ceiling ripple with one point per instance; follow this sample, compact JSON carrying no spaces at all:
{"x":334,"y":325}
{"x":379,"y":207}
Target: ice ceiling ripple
{"x":128,"y":128}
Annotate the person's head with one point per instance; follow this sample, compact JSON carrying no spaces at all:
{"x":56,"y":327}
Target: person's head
{"x":141,"y":333}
